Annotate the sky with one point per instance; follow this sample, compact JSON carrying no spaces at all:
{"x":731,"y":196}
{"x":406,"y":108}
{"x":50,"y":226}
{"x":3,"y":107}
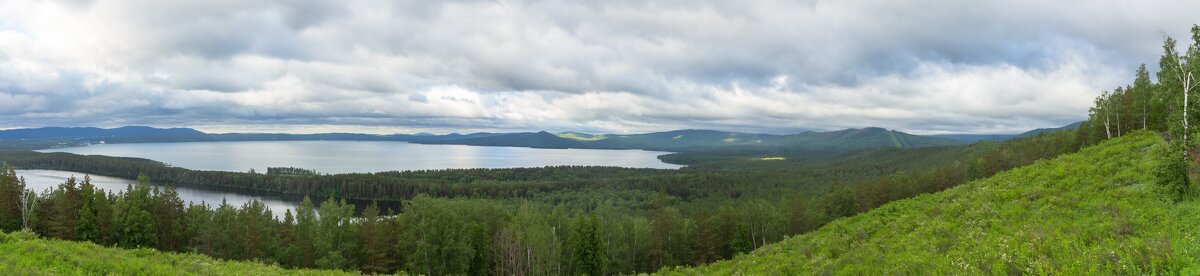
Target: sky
{"x":388,"y":66}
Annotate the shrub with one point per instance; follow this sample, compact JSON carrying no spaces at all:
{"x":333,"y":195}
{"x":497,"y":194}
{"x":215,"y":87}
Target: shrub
{"x":1170,"y":172}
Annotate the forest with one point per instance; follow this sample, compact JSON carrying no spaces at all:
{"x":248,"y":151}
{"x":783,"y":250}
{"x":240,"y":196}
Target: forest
{"x":563,"y":220}
{"x":556,"y":220}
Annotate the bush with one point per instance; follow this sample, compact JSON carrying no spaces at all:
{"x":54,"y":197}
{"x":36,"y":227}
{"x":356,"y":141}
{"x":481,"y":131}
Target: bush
{"x":22,"y":235}
{"x":1170,"y":172}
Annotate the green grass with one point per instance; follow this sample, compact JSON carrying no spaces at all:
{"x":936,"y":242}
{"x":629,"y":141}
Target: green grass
{"x":580,"y":137}
{"x":22,"y":253}
{"x":1095,"y":212}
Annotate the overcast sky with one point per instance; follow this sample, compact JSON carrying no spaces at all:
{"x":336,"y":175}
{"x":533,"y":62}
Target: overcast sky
{"x":384,"y":66}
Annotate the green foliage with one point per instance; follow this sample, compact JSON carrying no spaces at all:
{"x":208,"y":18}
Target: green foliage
{"x":439,"y":236}
{"x":11,"y":188}
{"x":138,"y":229}
{"x":22,"y":253}
{"x":587,"y":245}
{"x":516,"y":221}
{"x":373,"y":240}
{"x":336,"y":236}
{"x":1093,"y":212}
{"x":1171,"y":169}
{"x":306,"y":235}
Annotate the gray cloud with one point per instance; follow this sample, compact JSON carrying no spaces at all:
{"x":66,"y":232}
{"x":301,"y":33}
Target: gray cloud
{"x":933,"y":66}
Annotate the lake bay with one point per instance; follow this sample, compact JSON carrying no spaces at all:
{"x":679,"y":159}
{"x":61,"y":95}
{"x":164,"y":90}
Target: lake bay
{"x":42,"y":180}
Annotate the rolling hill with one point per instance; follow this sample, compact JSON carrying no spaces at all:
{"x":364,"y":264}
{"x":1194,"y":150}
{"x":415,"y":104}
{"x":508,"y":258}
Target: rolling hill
{"x":121,"y":134}
{"x":1040,"y":130}
{"x":1097,"y":211}
{"x":678,"y":140}
{"x":528,"y":139}
{"x":24,"y":254}
{"x":971,"y":138}
{"x":704,"y":140}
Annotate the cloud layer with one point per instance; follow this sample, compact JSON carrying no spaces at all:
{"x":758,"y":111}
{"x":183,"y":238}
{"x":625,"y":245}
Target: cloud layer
{"x":933,"y":66}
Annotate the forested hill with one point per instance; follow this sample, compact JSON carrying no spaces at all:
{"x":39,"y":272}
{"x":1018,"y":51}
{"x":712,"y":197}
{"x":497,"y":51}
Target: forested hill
{"x":679,"y":140}
{"x":971,"y":138}
{"x":1098,"y":211}
{"x":121,"y":134}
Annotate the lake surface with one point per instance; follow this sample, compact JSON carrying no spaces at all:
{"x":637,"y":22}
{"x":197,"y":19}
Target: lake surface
{"x":364,"y":156}
{"x":41,"y":180}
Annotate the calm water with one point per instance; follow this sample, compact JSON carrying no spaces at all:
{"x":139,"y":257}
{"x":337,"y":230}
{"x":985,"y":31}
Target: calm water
{"x":364,"y":156}
{"x":41,"y":180}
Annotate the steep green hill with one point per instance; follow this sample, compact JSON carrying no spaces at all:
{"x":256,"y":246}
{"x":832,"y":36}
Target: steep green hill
{"x":1093,"y":212}
{"x":24,"y":254}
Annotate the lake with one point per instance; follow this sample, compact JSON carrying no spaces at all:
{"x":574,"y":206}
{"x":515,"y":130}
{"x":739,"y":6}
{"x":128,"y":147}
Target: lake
{"x":41,"y":180}
{"x":364,"y":156}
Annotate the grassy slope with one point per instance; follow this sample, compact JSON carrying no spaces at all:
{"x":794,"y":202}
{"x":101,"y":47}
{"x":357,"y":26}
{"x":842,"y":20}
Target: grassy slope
{"x":22,"y":254}
{"x":1092,"y":212}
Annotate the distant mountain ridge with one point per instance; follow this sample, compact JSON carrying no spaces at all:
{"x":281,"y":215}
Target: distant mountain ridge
{"x":971,"y":138}
{"x":129,"y":133}
{"x":1035,"y":132}
{"x":677,"y":140}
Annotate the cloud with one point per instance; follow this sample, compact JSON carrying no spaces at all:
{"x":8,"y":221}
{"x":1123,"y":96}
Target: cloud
{"x":932,"y":66}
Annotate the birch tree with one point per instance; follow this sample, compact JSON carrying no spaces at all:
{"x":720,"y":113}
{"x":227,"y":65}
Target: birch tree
{"x":1174,"y":74}
{"x":28,"y":202}
{"x":1141,"y":84}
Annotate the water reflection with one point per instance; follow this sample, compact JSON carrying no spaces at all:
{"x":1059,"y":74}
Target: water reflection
{"x":42,"y":180}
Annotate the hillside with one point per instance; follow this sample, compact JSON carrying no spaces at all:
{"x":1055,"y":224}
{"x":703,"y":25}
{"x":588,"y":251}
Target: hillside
{"x":1093,"y":212}
{"x":971,"y":138}
{"x":871,"y":137}
{"x":533,"y":139}
{"x":1034,"y":132}
{"x":693,"y":140}
{"x":23,"y":254}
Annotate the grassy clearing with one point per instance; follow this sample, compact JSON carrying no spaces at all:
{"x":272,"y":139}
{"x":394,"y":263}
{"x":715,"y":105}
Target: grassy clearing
{"x":1093,"y":212}
{"x":22,"y":253}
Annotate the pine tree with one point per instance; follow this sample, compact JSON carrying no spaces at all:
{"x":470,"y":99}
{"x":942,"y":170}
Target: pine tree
{"x":169,"y":210}
{"x":139,"y":229}
{"x":287,"y":237}
{"x":371,"y":239}
{"x":11,"y":190}
{"x":87,"y":227}
{"x":304,"y":254}
{"x":105,"y":218}
{"x":589,"y":256}
{"x":198,"y":228}
{"x":225,"y":242}
{"x":256,"y":232}
{"x":61,"y":210}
